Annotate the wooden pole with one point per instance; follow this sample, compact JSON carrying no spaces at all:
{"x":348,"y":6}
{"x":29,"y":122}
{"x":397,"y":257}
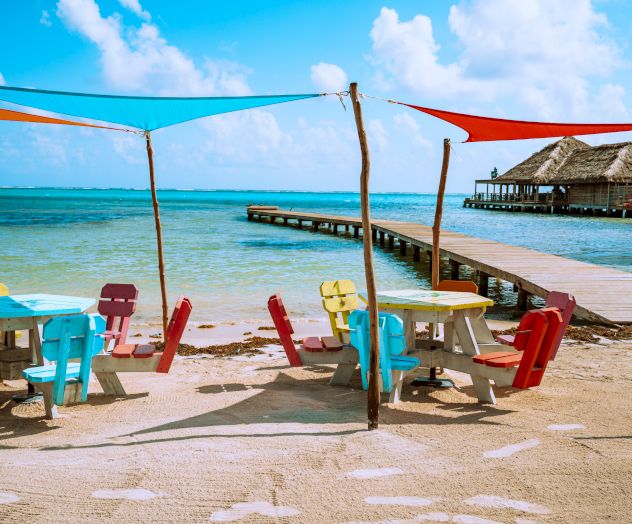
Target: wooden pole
{"x":161,"y":263}
{"x":436,"y":227}
{"x":373,"y":404}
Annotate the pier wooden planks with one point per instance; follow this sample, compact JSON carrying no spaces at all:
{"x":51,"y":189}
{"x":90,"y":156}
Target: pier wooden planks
{"x":603,"y":294}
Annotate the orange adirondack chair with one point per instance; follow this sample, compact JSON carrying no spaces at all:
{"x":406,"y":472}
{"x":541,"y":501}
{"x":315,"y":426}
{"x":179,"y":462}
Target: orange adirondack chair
{"x":566,"y":303}
{"x":538,"y":331}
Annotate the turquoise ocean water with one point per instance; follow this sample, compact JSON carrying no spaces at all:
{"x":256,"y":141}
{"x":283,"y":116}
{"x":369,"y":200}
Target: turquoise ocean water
{"x":72,"y":241}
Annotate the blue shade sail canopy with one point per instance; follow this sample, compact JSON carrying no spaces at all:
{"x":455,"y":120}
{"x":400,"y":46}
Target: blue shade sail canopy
{"x":142,"y":112}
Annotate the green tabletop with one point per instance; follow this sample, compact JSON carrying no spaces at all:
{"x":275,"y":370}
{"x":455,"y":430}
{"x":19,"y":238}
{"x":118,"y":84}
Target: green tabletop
{"x":428,"y":300}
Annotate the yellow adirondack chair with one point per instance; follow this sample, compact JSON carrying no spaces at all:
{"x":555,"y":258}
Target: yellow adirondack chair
{"x":339,"y":299}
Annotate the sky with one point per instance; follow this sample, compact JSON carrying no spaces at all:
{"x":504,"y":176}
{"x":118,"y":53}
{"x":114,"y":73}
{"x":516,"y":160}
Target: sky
{"x":546,"y":60}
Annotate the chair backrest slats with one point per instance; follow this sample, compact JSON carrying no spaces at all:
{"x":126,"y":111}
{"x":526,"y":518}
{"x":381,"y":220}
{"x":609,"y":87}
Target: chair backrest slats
{"x":339,"y":299}
{"x":466,"y":286}
{"x":535,"y":325}
{"x":120,"y":291}
{"x":284,"y":329}
{"x":176,"y":327}
{"x":72,"y":337}
{"x":119,"y":305}
{"x":114,"y":308}
{"x":566,"y":303}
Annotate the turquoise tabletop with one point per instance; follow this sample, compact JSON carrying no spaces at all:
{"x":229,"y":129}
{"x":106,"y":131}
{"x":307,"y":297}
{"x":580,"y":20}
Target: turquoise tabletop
{"x":42,"y":305}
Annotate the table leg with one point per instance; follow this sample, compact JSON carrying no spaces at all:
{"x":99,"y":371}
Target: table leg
{"x":410,"y":328}
{"x":469,"y":345}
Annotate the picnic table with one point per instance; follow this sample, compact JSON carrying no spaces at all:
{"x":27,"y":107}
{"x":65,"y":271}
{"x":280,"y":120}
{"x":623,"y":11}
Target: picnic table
{"x":461,"y":313}
{"x":26,"y":313}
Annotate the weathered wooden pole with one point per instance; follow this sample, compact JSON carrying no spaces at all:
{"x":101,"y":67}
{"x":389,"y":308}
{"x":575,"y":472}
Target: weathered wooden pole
{"x":373,"y":405}
{"x":436,"y":227}
{"x":161,"y":264}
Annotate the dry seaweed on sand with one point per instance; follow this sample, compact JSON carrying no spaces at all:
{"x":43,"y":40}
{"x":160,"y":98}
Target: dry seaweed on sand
{"x":250,"y":346}
{"x":206,"y":326}
{"x":592,"y":333}
{"x":266,"y":328}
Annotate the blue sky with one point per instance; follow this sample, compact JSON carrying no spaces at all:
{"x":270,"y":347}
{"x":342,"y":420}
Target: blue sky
{"x":560,"y":60}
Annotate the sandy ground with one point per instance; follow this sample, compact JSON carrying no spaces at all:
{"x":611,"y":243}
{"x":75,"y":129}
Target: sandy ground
{"x":252,"y":440}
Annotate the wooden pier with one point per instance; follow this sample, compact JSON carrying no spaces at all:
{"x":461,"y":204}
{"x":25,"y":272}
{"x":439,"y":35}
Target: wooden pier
{"x":603,"y":294}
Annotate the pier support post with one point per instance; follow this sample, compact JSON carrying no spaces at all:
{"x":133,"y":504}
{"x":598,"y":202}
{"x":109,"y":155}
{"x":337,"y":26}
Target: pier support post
{"x":315,"y":226}
{"x":402,"y":247}
{"x":382,"y":238}
{"x":483,"y":283}
{"x":391,"y":242}
{"x":454,"y":269}
{"x":416,"y":252}
{"x":250,"y":217}
{"x":374,"y":234}
{"x":285,"y":220}
{"x":429,"y":254}
{"x":523,"y":298}
{"x":356,"y":232}
{"x":346,"y":228}
{"x":335,"y":229}
{"x":272,"y":220}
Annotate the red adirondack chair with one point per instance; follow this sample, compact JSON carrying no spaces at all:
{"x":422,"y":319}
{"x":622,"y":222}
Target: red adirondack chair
{"x":566,"y":303}
{"x":538,"y":332}
{"x":117,"y":305}
{"x":175,"y":329}
{"x":285,"y":331}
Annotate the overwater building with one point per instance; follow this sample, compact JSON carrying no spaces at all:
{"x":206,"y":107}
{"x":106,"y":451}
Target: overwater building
{"x":567,"y":176}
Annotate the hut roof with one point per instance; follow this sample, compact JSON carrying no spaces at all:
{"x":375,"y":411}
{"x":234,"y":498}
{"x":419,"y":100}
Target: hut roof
{"x":605,"y":163}
{"x":541,"y":166}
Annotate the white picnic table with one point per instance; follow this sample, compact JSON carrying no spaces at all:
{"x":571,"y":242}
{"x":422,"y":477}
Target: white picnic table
{"x":462,"y":315}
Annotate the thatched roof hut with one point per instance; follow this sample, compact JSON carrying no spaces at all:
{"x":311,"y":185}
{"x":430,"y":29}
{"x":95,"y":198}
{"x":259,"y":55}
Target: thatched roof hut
{"x":543,"y":165}
{"x":608,"y":163}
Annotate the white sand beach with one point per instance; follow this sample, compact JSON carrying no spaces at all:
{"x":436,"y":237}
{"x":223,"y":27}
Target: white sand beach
{"x":249,"y":439}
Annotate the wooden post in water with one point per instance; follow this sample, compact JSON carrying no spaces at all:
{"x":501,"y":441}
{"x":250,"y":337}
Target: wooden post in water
{"x":436,"y":227}
{"x":161,"y":263}
{"x":373,"y":406}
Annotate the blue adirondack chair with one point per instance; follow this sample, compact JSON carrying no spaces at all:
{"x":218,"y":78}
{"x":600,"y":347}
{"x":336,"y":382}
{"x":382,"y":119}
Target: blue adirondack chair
{"x":64,"y":338}
{"x":392,"y":345}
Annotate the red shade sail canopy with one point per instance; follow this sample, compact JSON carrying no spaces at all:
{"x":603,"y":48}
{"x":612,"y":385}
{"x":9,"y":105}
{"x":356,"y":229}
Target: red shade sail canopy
{"x":485,"y":129}
{"x":16,"y":116}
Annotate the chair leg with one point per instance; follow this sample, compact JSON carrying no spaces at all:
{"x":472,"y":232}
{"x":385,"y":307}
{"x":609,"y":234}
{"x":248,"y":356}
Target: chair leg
{"x":49,"y":407}
{"x":342,"y":375}
{"x":396,"y":391}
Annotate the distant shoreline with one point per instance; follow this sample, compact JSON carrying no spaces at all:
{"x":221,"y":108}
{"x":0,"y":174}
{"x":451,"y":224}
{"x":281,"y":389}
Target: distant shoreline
{"x":223,"y":190}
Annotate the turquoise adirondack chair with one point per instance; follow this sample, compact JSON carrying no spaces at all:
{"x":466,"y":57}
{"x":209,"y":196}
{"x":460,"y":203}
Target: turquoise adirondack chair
{"x":393,"y":364}
{"x":65,"y":338}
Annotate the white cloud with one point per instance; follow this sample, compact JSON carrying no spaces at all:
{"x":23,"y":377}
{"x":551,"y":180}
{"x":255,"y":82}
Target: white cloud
{"x":45,"y":18}
{"x":377,"y":135}
{"x":135,"y":7}
{"x":329,"y":77}
{"x":130,"y":147}
{"x":542,"y":53}
{"x":410,"y":128}
{"x":249,"y":137}
{"x":611,"y":100}
{"x":139,"y":59}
